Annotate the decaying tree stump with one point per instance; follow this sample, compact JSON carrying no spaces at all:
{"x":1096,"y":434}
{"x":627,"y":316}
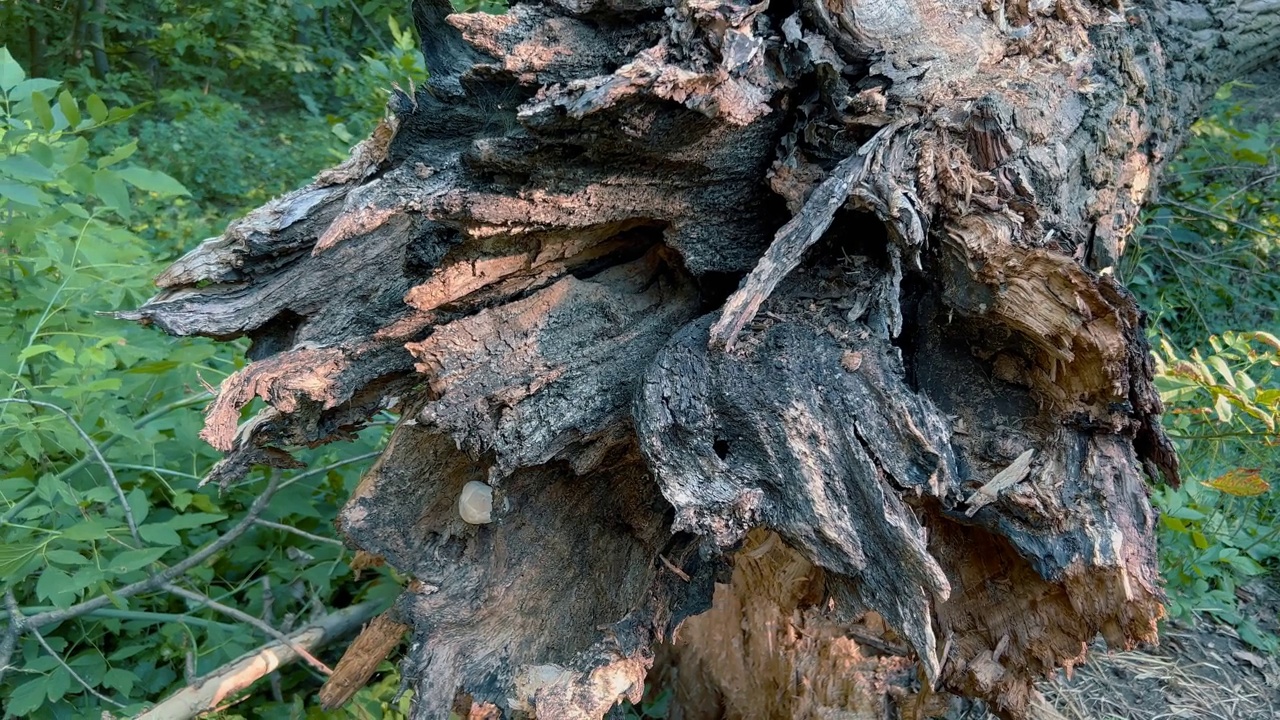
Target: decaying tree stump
{"x":665,"y":272}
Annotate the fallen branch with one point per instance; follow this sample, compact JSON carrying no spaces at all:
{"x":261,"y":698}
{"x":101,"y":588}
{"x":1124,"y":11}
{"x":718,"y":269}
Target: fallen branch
{"x":215,"y":688}
{"x":796,"y":236}
{"x":203,"y":600}
{"x":9,"y":641}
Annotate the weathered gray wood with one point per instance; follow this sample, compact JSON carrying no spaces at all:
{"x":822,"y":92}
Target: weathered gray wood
{"x":533,"y":261}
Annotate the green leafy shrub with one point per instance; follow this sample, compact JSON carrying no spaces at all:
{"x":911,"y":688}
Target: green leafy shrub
{"x":1205,"y":259}
{"x":99,"y":461}
{"x":1223,"y":525}
{"x":400,"y":65}
{"x":1204,"y":264}
{"x":229,"y":157}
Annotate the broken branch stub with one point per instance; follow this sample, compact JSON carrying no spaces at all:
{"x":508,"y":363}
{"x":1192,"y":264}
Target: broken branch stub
{"x":532,"y":263}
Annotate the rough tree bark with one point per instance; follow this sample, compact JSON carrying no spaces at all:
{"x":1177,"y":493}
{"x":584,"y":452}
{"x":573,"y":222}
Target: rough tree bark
{"x":665,"y":272}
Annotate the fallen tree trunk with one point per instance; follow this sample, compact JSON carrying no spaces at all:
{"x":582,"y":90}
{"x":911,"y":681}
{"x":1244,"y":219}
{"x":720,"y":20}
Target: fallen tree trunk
{"x":663,"y":273}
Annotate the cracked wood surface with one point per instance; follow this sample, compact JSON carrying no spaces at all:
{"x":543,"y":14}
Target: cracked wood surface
{"x":533,"y":263}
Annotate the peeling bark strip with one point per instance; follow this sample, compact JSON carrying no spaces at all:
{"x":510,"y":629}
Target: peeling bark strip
{"x":784,"y":255}
{"x":358,"y":663}
{"x":928,"y":390}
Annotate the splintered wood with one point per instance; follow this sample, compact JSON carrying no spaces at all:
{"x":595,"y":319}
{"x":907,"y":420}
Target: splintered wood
{"x":1006,"y":478}
{"x":358,"y":663}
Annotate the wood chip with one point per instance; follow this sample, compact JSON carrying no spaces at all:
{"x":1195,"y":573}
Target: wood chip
{"x":1006,"y":478}
{"x":670,"y":566}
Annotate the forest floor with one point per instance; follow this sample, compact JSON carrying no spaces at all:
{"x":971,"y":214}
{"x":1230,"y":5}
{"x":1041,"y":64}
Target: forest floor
{"x":1202,"y":671}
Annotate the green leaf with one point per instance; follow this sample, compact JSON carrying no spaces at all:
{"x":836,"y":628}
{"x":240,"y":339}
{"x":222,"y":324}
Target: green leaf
{"x":192,"y":520}
{"x":1185,"y":513}
{"x":65,"y":557}
{"x":25,"y":168}
{"x":121,"y":113}
{"x":119,"y":602}
{"x":1222,"y":406}
{"x":70,"y":110}
{"x":137,"y":498}
{"x":43,"y":113}
{"x":165,"y":533}
{"x":126,"y":652}
{"x":20,"y":193}
{"x":11,"y":72}
{"x":97,"y":109}
{"x":121,"y":680}
{"x":33,"y":350}
{"x":114,"y":194}
{"x":131,"y":560}
{"x":29,"y":87}
{"x":14,"y":555}
{"x":56,"y":587}
{"x":95,"y":529}
{"x":159,"y":534}
{"x":152,"y":181}
{"x":1244,"y":565}
{"x":25,"y":699}
{"x":90,"y":665}
{"x":120,"y":153}
{"x":1221,"y":366}
{"x":56,"y":684}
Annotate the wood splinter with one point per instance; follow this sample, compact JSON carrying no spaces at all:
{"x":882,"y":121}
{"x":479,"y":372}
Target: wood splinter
{"x":361,"y":659}
{"x":1006,"y":478}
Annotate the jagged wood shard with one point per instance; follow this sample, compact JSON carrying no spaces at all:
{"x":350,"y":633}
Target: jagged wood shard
{"x":533,"y":262}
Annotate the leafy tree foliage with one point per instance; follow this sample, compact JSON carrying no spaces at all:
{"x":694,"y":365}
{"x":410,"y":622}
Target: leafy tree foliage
{"x":98,"y":424}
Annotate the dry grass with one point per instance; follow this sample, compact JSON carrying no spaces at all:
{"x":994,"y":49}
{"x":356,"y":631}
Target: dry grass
{"x":1194,"y":681}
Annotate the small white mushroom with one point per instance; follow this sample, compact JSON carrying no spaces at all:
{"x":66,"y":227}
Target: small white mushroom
{"x":475,"y":504}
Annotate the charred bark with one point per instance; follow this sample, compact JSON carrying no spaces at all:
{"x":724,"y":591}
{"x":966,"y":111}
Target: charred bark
{"x":927,"y":382}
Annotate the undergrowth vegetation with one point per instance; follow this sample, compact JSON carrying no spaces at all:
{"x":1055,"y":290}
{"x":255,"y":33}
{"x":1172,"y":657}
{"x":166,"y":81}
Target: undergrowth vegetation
{"x":98,"y":425}
{"x":179,"y":120}
{"x":1207,"y":267}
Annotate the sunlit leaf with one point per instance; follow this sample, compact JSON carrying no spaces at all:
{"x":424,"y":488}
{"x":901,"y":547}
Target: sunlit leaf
{"x":14,"y":555}
{"x":70,"y":110}
{"x":1240,"y":482}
